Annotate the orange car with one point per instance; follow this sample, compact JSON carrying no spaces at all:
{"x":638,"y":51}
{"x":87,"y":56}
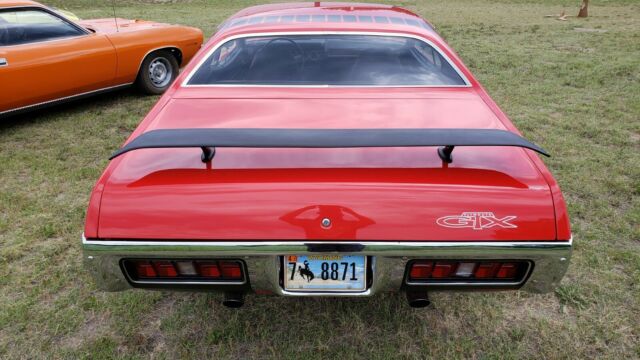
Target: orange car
{"x":46,"y":58}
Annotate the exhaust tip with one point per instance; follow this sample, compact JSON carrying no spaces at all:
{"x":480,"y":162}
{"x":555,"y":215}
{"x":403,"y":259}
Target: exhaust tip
{"x":233,"y":300}
{"x":418,"y":299}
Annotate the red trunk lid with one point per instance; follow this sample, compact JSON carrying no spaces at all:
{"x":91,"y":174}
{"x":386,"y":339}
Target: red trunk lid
{"x":395,"y":194}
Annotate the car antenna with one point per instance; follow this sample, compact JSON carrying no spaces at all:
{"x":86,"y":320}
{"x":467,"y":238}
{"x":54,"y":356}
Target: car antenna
{"x":115,"y":19}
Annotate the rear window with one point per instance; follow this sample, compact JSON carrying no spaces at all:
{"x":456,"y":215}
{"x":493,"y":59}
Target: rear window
{"x":347,"y":60}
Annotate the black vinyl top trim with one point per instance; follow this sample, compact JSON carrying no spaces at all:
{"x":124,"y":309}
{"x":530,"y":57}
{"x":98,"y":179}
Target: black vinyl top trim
{"x":323,"y":138}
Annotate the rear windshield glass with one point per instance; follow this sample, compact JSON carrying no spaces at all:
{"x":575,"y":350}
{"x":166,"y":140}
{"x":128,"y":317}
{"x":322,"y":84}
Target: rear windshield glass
{"x":356,"y":60}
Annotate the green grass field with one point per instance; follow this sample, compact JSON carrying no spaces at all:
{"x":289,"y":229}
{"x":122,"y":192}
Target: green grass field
{"x":571,"y":86}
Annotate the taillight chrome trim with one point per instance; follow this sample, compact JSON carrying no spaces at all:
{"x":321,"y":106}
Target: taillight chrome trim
{"x":178,"y":281}
{"x":484,"y":284}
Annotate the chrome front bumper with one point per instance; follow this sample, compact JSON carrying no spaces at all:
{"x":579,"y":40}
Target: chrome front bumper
{"x":263,"y":260}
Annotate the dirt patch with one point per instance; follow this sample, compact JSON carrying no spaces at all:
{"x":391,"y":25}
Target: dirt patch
{"x":96,"y":326}
{"x":544,"y":307}
{"x":151,"y":338}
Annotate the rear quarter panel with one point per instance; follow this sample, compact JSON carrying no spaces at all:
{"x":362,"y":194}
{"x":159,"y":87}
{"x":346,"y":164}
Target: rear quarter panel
{"x":133,"y":46}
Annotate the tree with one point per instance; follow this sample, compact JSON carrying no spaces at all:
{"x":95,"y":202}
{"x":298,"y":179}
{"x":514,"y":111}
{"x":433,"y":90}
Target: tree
{"x":583,"y":13}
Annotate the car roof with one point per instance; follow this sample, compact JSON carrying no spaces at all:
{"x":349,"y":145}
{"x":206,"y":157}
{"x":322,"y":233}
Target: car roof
{"x":322,"y":14}
{"x":323,"y":6}
{"x":16,"y":3}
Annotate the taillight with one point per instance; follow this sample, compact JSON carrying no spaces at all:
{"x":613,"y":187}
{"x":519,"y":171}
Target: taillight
{"x":442,"y":270}
{"x":421,"y":271}
{"x":145,"y":269}
{"x":507,"y":271}
{"x":231,"y":270}
{"x":486,"y":270}
{"x":165,"y":269}
{"x":209,"y":269}
{"x":468,"y":270}
{"x":194,"y":270}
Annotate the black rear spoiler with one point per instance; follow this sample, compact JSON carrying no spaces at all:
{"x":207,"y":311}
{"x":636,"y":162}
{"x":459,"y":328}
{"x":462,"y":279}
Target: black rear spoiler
{"x":208,"y":139}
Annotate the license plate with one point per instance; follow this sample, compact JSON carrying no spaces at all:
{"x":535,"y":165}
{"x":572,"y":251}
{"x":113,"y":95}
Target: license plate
{"x":325,"y":273}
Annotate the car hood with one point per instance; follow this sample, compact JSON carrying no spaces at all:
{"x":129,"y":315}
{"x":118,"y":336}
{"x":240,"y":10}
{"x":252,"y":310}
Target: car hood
{"x":108,"y":25}
{"x":394,"y":194}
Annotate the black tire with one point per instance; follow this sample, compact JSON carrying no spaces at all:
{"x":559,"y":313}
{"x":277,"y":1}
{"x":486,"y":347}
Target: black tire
{"x":157,"y":72}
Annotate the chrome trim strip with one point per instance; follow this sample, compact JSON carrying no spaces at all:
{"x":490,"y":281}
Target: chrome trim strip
{"x":185,"y":82}
{"x":186,"y":282}
{"x":264,"y":247}
{"x":326,"y":294}
{"x":550,"y":260}
{"x":63,"y":99}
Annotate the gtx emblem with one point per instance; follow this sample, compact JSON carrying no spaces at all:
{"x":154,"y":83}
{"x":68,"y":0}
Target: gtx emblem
{"x":476,"y":221}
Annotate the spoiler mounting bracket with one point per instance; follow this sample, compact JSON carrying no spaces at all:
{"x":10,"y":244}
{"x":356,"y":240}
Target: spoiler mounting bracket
{"x":445,"y":153}
{"x":208,"y":152}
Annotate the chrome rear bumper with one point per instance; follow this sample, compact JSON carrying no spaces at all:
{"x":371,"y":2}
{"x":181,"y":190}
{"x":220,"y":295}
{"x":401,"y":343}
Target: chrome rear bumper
{"x":263,"y":260}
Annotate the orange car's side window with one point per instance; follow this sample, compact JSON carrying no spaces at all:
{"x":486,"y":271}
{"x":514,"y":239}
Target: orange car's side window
{"x":28,"y":25}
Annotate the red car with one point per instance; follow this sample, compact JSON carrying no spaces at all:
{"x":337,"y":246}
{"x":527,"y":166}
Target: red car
{"x":327,"y":149}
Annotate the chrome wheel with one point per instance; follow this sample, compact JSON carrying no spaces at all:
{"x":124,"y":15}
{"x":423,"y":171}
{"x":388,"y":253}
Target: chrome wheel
{"x":160,"y":72}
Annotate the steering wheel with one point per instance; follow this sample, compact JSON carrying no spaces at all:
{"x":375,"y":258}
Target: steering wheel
{"x":297,"y":55}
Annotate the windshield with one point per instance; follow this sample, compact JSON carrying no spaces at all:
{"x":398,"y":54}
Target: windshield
{"x":348,"y":60}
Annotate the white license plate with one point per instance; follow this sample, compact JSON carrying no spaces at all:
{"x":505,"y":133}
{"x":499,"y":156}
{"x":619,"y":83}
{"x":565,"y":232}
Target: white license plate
{"x":344,"y":273}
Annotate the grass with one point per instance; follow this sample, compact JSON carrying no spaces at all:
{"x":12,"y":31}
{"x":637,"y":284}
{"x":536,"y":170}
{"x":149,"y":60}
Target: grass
{"x":574,"y":91}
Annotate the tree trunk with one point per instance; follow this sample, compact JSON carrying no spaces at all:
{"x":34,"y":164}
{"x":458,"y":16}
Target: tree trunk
{"x":583,"y":9}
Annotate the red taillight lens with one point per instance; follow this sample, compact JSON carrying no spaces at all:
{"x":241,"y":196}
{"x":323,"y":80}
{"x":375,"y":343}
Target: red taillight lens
{"x":145,"y":269}
{"x":442,"y":270}
{"x":507,"y":271}
{"x":209,"y":269}
{"x":421,"y":270}
{"x":486,"y":270}
{"x":231,"y":270}
{"x":165,"y":269}
{"x":185,"y":269}
{"x":468,"y":270}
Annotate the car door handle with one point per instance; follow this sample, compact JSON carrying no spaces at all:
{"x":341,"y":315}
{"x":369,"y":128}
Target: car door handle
{"x":3,"y":62}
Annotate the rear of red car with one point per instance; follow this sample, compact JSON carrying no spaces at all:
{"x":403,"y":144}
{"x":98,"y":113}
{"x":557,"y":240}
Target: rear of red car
{"x":258,"y":174}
